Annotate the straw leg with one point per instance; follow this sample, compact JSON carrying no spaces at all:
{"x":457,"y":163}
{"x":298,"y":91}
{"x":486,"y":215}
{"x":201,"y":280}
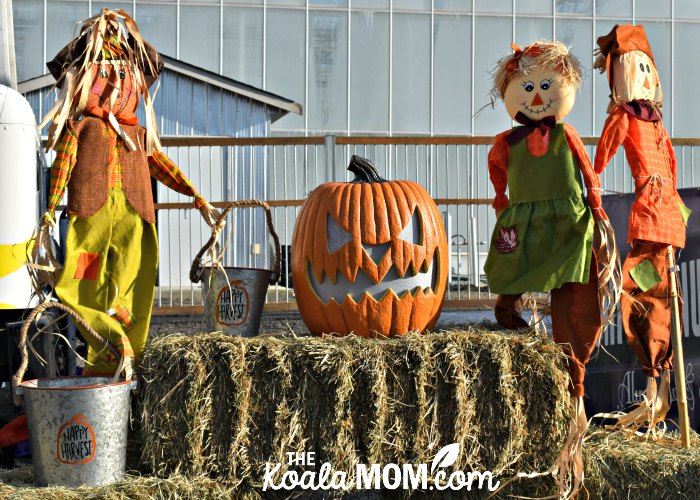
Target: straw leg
{"x":679,"y":366}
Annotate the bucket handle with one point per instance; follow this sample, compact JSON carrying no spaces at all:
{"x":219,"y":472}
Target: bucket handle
{"x":19,"y":375}
{"x":196,"y":269}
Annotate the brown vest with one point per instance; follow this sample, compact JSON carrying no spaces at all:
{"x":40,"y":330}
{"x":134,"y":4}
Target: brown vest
{"x":87,"y":188}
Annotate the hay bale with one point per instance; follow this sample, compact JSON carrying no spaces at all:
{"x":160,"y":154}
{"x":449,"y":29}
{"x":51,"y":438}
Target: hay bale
{"x":17,"y":484}
{"x":621,"y":468}
{"x":615,"y":468}
{"x":223,"y":407}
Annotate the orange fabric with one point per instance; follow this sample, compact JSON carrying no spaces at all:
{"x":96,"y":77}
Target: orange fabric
{"x":62,"y":168}
{"x":87,"y":267}
{"x":537,"y":145}
{"x":14,"y":432}
{"x":620,"y":40}
{"x":646,"y":316}
{"x":104,"y":115}
{"x":655,"y":214}
{"x":498,"y":169}
{"x":625,"y":38}
{"x":507,"y":311}
{"x":123,"y":316}
{"x":576,"y":324}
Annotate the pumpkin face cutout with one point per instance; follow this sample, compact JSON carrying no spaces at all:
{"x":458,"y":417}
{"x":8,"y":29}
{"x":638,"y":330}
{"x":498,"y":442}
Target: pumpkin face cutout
{"x":370,"y":256}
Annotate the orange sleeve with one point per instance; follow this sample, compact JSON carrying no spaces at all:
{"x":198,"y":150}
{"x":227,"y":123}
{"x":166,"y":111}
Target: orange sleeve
{"x":614,"y":133}
{"x":498,"y":170}
{"x":164,"y":170}
{"x":590,"y":178}
{"x":62,"y":167}
{"x":672,"y":156}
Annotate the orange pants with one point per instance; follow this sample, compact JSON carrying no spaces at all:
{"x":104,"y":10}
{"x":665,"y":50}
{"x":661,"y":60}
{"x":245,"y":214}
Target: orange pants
{"x":646,"y":316}
{"x":576,"y":322}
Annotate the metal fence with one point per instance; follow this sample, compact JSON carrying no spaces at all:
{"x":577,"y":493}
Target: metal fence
{"x":452,"y":169}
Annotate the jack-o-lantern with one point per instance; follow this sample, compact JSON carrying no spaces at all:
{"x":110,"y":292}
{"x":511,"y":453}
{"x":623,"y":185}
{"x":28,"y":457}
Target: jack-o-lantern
{"x":370,"y":256}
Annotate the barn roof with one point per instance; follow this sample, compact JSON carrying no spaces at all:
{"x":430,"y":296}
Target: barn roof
{"x":274,"y":101}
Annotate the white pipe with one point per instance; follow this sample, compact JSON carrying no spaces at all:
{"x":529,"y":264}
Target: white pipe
{"x":8,"y":65}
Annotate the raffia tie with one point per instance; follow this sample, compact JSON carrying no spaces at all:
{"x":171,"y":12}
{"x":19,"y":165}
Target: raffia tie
{"x":117,"y":128}
{"x":656,"y":182}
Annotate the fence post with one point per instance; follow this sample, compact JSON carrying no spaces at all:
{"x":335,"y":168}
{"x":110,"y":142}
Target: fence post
{"x":329,"y":151}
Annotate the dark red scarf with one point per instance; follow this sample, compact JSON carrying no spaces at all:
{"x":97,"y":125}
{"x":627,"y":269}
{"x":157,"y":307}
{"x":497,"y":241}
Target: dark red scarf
{"x":529,"y":126}
{"x":644,"y":110}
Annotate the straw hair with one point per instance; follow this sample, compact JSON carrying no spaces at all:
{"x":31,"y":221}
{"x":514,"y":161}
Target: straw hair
{"x":542,"y":54}
{"x":111,"y":36}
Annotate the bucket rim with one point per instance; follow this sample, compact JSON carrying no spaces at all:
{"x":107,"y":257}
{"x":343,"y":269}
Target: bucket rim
{"x":26,"y":384}
{"x":262,"y":270}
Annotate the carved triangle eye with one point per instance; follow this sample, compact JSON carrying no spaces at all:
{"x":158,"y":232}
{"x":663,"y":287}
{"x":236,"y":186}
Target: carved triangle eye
{"x":336,"y":236}
{"x":413,"y":232}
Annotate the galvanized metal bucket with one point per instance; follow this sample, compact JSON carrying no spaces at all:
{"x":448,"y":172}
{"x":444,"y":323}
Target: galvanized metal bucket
{"x":77,"y":429}
{"x":234,"y":297}
{"x":77,"y":425}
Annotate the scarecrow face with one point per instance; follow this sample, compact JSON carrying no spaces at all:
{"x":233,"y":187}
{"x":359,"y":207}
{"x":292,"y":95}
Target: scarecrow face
{"x":113,"y":89}
{"x":635,"y":76}
{"x":540,"y":93}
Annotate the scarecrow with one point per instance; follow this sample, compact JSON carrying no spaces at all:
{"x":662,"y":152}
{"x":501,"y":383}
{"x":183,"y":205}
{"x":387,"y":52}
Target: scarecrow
{"x":658,"y":217}
{"x":544,"y":235}
{"x":106,"y":160}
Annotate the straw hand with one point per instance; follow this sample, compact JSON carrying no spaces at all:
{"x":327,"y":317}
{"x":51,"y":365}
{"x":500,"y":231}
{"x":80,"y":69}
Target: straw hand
{"x":212,"y":216}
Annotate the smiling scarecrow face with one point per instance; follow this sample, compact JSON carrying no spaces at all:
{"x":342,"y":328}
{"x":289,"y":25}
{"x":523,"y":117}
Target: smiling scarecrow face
{"x":539,"y":93}
{"x":537,"y":81}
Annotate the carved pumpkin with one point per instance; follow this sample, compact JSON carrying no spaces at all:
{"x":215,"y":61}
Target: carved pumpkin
{"x":369,"y":256}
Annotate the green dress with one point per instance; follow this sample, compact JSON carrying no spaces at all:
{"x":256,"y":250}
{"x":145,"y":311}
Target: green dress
{"x":544,"y":238}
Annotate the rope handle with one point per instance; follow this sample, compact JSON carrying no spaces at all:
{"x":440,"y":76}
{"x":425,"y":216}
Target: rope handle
{"x":126,"y":362}
{"x":196,"y":269}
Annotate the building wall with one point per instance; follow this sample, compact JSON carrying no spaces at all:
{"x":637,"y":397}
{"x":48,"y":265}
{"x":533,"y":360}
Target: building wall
{"x":385,"y":66}
{"x":186,"y":107}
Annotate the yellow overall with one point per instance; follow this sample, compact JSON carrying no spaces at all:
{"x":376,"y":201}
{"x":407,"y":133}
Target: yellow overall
{"x":112,"y":247}
{"x":108,"y":277}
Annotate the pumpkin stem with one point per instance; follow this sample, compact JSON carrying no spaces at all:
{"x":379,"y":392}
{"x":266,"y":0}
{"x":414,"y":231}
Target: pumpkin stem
{"x":364,"y":170}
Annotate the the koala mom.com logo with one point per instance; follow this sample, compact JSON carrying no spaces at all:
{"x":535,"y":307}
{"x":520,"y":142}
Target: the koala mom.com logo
{"x":388,"y":476}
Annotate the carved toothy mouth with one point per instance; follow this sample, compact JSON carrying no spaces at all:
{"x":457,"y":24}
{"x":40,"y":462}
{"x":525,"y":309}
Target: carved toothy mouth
{"x":538,"y":111}
{"x":424,"y":279}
